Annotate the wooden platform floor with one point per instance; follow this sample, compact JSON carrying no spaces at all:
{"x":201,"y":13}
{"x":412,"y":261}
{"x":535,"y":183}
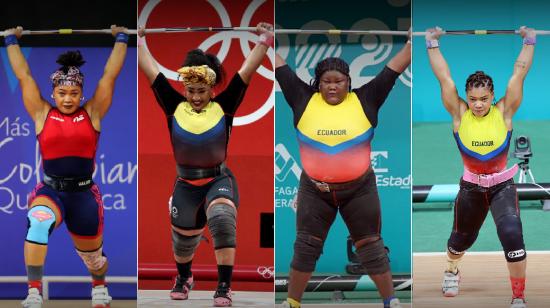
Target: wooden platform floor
{"x":484,"y":281}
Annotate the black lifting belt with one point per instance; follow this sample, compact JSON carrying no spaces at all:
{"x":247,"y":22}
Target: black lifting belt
{"x":199,"y":173}
{"x":68,"y":183}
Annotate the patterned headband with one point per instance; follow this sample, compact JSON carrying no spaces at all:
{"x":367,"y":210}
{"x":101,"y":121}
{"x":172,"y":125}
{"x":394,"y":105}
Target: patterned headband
{"x":197,"y":74}
{"x":73,"y":77}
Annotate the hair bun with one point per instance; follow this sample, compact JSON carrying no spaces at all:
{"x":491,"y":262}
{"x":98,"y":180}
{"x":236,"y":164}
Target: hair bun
{"x":197,"y":57}
{"x":71,"y":58}
{"x":196,"y":52}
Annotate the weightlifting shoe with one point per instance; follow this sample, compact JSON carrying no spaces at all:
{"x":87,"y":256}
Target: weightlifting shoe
{"x":33,"y":300}
{"x":450,"y":284}
{"x":181,"y":289}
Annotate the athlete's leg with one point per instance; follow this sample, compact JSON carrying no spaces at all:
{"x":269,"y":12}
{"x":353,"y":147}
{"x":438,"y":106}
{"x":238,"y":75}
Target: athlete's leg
{"x":84,"y":220}
{"x":188,"y":220}
{"x":90,"y":251}
{"x":184,"y":244}
{"x":506,"y":214}
{"x":471,"y":208}
{"x":221,"y":215}
{"x":221,"y":218}
{"x":314,"y":216}
{"x":44,"y":215}
{"x":373,"y":256}
{"x":363,"y":218}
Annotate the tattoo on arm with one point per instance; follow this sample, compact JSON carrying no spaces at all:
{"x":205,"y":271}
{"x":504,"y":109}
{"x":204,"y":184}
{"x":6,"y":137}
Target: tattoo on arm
{"x":521,"y":64}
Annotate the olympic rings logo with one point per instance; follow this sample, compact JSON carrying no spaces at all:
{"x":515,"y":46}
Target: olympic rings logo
{"x":266,"y":272}
{"x":225,"y":38}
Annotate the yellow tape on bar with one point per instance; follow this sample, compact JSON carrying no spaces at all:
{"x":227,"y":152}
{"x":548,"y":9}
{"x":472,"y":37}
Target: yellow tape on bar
{"x":480,"y":32}
{"x":334,"y":31}
{"x":65,"y":31}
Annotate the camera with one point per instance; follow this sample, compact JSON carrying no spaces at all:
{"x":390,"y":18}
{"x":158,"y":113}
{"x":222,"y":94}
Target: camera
{"x":522,"y":151}
{"x":522,"y":148}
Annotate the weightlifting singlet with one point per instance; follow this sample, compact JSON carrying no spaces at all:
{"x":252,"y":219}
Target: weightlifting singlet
{"x":68,"y":144}
{"x":199,"y":139}
{"x":335,"y":140}
{"x":483,"y":141}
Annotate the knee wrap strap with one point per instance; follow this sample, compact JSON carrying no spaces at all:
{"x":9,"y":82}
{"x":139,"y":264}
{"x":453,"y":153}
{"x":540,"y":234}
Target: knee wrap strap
{"x":374,"y":257}
{"x":307,"y":249}
{"x":41,"y":222}
{"x":94,"y":260}
{"x":183,"y":245}
{"x":458,"y":243}
{"x":510,"y":233}
{"x":222,"y":223}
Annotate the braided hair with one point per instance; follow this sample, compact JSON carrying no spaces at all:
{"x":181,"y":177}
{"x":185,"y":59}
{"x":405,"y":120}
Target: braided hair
{"x":197,"y":57}
{"x":330,"y":64}
{"x":479,"y":80}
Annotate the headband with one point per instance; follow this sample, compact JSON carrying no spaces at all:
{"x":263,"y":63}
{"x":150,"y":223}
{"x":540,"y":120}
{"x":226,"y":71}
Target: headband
{"x":197,"y":74}
{"x":73,"y":77}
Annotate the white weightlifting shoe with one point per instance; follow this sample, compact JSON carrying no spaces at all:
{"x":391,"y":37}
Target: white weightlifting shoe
{"x":100,"y":297}
{"x":518,"y":303}
{"x":450,"y":284}
{"x":33,"y":300}
{"x":394,"y":303}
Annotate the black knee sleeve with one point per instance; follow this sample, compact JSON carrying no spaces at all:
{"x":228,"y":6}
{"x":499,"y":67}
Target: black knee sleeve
{"x":307,"y":249}
{"x":510,"y":233}
{"x":222,"y":223}
{"x":458,"y":243}
{"x":374,"y":257}
{"x":183,"y":245}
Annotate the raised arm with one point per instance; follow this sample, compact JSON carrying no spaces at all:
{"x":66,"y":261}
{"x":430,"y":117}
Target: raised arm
{"x":146,"y":62}
{"x":449,"y":94}
{"x":256,"y":56}
{"x":402,"y":59}
{"x":98,"y":105}
{"x":279,"y":61}
{"x":514,"y":90}
{"x":36,"y":106}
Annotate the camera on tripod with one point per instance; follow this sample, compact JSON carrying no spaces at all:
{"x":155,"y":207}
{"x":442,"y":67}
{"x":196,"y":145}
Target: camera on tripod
{"x":522,"y":148}
{"x":522,"y":151}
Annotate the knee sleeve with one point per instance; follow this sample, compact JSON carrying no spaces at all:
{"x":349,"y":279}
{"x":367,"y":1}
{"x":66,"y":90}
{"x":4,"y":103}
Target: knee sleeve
{"x":307,"y":250}
{"x":94,"y":260}
{"x":374,"y":257}
{"x":222,"y":223}
{"x":183,"y":245}
{"x":458,"y":243}
{"x":41,"y":222}
{"x":509,"y":232}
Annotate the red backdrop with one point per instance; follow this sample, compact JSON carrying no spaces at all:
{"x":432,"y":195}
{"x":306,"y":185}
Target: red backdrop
{"x":250,"y":147}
